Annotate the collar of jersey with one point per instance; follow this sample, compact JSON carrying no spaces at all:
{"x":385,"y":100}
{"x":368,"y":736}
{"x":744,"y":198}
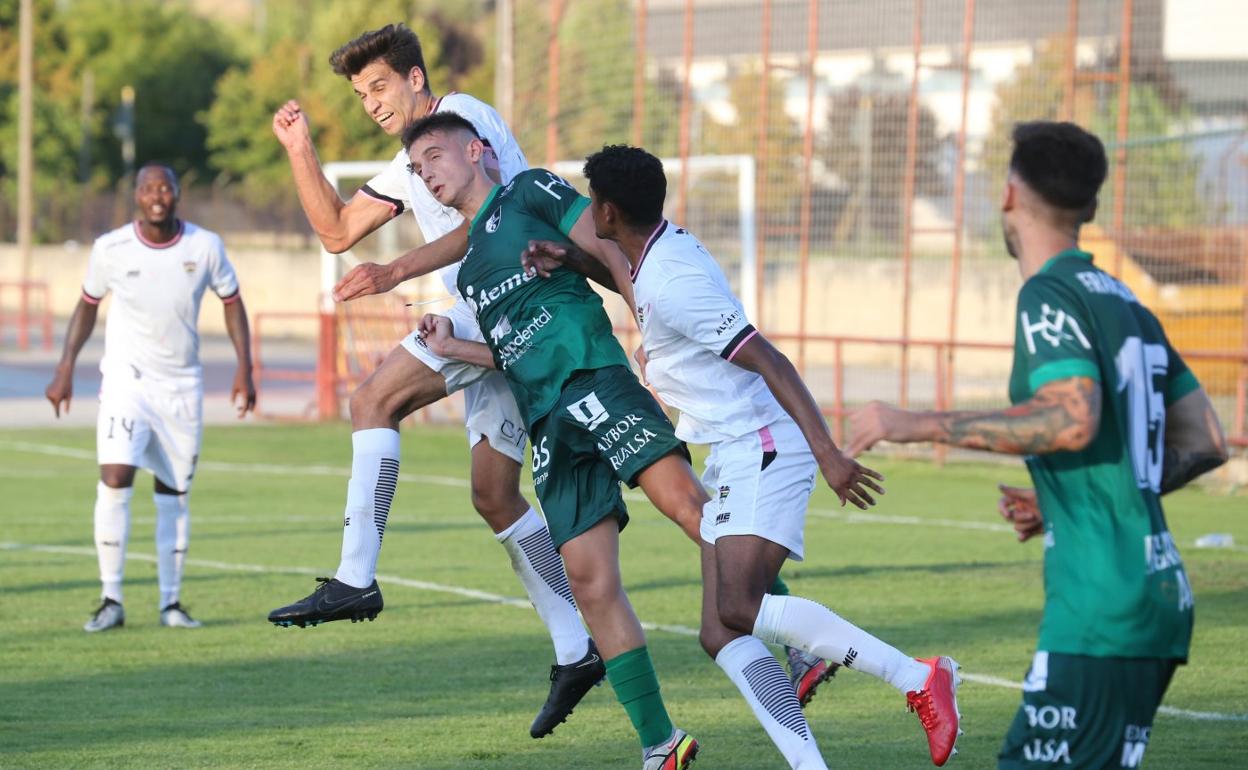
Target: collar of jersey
{"x":1063,"y":255}
{"x":488,"y":200}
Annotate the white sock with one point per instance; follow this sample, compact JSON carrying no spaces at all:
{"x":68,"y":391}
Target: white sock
{"x":173,"y":533}
{"x":112,"y":530}
{"x":374,"y":476}
{"x":764,"y":685}
{"x":537,"y":564}
{"x":798,"y":622}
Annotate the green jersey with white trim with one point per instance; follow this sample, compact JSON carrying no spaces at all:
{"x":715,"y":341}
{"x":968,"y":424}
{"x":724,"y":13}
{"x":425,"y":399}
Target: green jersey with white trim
{"x":1113,"y":582}
{"x":540,"y":330}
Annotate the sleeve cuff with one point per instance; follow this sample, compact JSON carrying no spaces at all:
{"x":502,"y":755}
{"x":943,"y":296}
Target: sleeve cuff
{"x":1061,"y":370}
{"x":574,"y":213}
{"x":734,"y":346}
{"x":1180,"y":385}
{"x":396,"y":205}
{"x":90,"y":300}
{"x":231,"y":298}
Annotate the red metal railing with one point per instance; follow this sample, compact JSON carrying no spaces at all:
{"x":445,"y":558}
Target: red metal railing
{"x":21,"y":318}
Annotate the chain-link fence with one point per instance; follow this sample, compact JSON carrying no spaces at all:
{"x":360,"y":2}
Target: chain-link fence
{"x":879,"y":134}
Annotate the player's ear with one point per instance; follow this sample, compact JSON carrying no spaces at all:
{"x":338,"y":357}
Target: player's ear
{"x":1009,"y":198}
{"x":416,"y":77}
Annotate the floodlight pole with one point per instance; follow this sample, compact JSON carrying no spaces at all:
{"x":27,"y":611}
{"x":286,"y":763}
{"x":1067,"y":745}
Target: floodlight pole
{"x":25,"y":159}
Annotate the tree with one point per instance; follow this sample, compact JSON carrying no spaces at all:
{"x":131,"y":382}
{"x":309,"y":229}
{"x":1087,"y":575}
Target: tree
{"x":866,"y":149}
{"x":295,"y":65}
{"x":170,"y":57}
{"x":1162,"y":187}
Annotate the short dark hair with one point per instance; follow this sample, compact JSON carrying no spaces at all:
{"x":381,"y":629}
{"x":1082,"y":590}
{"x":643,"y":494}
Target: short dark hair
{"x":395,"y":43}
{"x":1062,"y":162}
{"x":631,"y":179}
{"x":438,"y":121}
{"x":167,"y":168}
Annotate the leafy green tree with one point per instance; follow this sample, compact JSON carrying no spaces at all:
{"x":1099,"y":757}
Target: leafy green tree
{"x":169,"y":56}
{"x":866,"y":148}
{"x":1162,"y":180}
{"x":295,"y":65}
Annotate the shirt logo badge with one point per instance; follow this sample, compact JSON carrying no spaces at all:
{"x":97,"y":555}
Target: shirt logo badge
{"x":189,"y":266}
{"x":491,"y":225}
{"x":1054,"y":327}
{"x":132,"y":273}
{"x":500,"y":330}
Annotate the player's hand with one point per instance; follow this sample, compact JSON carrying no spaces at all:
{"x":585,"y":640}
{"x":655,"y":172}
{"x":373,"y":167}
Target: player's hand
{"x":1020,"y":507}
{"x":290,"y":126}
{"x":542,"y":258}
{"x":639,"y":355}
{"x":243,"y":394}
{"x":61,"y":389}
{"x":364,"y":279}
{"x":850,"y":480}
{"x":438,"y":333}
{"x":878,"y":422}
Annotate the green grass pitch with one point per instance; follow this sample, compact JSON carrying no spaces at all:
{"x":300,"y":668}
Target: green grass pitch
{"x":444,"y":679}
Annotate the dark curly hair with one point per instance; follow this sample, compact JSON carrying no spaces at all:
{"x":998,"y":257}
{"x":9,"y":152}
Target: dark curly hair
{"x":1062,"y":162}
{"x":395,"y":43}
{"x":631,"y":179}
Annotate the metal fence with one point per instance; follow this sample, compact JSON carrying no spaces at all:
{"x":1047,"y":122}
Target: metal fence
{"x":880,"y":133}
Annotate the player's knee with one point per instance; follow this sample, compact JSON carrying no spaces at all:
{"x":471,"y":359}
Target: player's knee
{"x":495,"y":502}
{"x":736,"y":611}
{"x":117,"y":478}
{"x":592,"y":588}
{"x":714,"y":637}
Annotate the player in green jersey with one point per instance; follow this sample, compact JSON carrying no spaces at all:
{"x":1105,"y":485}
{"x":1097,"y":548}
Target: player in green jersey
{"x":591,"y":423}
{"x":1109,"y":418}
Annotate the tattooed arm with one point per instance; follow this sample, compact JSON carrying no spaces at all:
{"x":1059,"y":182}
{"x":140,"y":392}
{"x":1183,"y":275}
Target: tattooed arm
{"x":1063,"y":415}
{"x":1194,"y":441}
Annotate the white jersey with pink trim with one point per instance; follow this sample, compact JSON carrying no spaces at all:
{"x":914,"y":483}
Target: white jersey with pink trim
{"x":401,"y":189}
{"x":152,"y":330}
{"x":691,"y":327}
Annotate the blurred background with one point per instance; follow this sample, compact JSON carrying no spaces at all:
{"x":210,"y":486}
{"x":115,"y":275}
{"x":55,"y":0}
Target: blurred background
{"x":843,"y":160}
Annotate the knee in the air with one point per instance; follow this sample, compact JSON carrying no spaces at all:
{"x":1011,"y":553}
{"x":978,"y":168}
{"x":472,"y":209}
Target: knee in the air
{"x":736,"y":614}
{"x":593,"y":590}
{"x":713,"y":639}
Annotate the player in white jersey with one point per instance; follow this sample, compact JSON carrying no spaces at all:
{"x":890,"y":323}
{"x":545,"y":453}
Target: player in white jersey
{"x":739,"y":394}
{"x":151,"y":392}
{"x":386,"y":69}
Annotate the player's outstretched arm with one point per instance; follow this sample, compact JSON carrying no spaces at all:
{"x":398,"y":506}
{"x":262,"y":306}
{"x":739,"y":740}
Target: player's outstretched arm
{"x":542,"y":258}
{"x":338,"y":225}
{"x":584,"y":235}
{"x":439,"y":335}
{"x":371,"y":278}
{"x":1063,"y":415}
{"x":61,"y":390}
{"x":1194,"y":441}
{"x":243,"y":392}
{"x":852,"y":482}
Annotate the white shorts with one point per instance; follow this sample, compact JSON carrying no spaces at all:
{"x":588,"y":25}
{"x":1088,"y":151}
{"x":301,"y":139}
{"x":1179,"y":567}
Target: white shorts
{"x":490,"y":410}
{"x":154,"y":426}
{"x":760,"y":484}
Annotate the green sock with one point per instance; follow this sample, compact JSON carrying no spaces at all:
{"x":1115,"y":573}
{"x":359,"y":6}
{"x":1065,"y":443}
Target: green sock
{"x":636,"y":686}
{"x":779,"y":587}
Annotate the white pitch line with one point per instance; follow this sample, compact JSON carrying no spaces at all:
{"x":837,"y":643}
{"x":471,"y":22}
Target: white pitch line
{"x":490,"y":598}
{"x":847,"y":516}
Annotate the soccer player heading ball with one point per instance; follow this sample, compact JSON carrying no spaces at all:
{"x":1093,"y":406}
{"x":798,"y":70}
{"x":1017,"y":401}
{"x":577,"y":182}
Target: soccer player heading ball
{"x":1109,"y":418}
{"x":594,"y":425}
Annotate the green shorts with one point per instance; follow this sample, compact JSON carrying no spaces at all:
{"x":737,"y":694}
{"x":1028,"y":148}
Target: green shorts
{"x":1085,"y":712}
{"x":605,"y":428}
